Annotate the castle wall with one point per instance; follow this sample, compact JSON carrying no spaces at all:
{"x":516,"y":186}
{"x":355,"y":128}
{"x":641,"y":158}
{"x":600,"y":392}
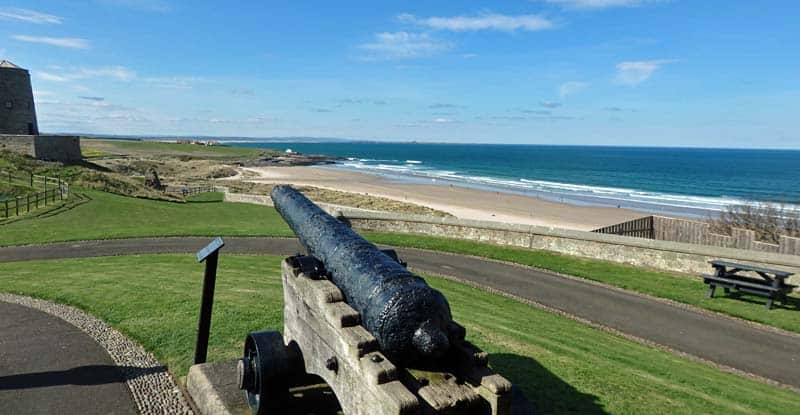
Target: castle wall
{"x":61,"y":148}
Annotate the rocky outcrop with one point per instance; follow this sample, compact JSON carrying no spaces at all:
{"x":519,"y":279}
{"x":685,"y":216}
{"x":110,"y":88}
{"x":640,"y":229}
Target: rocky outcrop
{"x":152,"y":181}
{"x":292,"y":159}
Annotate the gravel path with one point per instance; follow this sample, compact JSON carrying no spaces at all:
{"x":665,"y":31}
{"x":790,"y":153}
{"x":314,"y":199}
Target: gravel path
{"x":152,"y":388}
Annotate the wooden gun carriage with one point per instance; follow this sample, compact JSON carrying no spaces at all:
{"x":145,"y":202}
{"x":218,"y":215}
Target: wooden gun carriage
{"x":378,"y":335}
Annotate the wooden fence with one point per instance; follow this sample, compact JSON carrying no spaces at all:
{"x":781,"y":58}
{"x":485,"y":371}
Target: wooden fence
{"x":53,"y":190}
{"x":194,"y":190}
{"x":638,"y":228}
{"x":24,"y":204}
{"x":28,"y":179}
{"x":694,"y":232}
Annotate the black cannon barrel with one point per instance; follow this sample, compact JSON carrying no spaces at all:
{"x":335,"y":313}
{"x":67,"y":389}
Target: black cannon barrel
{"x":408,"y":318}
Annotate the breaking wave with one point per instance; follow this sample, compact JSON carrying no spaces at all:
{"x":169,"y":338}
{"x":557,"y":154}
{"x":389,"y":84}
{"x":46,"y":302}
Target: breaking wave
{"x":566,"y":192}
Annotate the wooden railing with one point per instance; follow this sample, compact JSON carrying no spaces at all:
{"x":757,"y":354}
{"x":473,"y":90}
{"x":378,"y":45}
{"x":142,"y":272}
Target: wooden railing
{"x":194,"y":190}
{"x":638,"y":228}
{"x":24,"y":204}
{"x":53,"y":190}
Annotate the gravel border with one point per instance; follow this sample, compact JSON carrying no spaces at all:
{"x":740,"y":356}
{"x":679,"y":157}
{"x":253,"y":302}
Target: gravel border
{"x":154,"y":392}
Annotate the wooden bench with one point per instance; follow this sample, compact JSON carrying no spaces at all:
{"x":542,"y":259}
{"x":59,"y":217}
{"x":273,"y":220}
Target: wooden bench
{"x":771,"y":285}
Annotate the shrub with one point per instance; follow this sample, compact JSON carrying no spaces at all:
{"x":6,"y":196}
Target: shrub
{"x":768,"y":221}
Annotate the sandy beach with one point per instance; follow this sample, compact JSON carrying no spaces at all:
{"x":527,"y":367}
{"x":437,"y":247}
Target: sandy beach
{"x":459,"y":201}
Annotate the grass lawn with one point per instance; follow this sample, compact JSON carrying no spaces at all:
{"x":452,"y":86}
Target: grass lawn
{"x":675,"y":287}
{"x":104,"y":147}
{"x":206,"y":197}
{"x":563,"y":366}
{"x":110,"y":216}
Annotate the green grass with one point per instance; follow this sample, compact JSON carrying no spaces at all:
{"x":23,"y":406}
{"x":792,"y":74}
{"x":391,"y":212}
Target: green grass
{"x":207,"y":197}
{"x":563,"y":366}
{"x":110,"y":216}
{"x":680,"y":288}
{"x":189,"y":149}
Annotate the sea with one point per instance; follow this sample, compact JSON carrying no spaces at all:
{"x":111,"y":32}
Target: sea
{"x":691,"y":182}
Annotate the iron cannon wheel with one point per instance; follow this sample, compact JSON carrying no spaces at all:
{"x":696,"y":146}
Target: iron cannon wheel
{"x":262,"y":372}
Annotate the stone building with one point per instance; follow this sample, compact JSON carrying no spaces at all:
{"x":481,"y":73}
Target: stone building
{"x":17,"y":109}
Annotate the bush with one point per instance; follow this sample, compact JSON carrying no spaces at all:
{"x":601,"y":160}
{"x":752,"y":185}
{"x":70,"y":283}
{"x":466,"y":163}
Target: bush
{"x":768,"y":221}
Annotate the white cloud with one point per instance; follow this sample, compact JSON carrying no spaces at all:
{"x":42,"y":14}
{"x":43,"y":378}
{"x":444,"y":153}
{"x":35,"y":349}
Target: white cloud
{"x":174,"y":82}
{"x":403,"y":45}
{"x":242,"y":91}
{"x":47,"y":76}
{"x":29,"y":16}
{"x":443,"y":120}
{"x":119,"y":73}
{"x":63,"y":42}
{"x":570,"y":88}
{"x":634,"y":73}
{"x":600,"y":4}
{"x":486,"y":21}
{"x":146,"y":5}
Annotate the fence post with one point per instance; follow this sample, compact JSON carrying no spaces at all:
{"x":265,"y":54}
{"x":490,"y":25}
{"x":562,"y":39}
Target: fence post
{"x":28,"y":202}
{"x":17,"y":205}
{"x":32,"y":181}
{"x":37,"y":200}
{"x":6,"y":202}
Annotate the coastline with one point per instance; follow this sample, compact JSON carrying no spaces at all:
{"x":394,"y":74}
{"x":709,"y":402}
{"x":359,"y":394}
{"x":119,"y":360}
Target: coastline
{"x":462,"y":202}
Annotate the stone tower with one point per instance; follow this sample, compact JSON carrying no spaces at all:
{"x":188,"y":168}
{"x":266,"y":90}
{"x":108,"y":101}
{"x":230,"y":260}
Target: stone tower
{"x":17,"y":109}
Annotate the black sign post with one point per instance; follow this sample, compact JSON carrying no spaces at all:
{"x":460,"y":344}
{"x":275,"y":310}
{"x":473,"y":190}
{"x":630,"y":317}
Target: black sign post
{"x":209,"y":254}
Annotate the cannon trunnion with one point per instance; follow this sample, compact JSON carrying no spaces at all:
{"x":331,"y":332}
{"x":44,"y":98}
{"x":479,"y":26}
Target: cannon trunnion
{"x":378,"y":335}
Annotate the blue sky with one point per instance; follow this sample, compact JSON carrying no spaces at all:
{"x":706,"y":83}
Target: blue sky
{"x":615,"y":72}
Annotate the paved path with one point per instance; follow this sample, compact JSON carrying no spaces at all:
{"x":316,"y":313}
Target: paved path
{"x":48,"y":366}
{"x":718,"y":339}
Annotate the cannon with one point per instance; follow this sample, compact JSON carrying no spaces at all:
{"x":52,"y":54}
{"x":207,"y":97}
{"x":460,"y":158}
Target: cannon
{"x":376,"y":333}
{"x":407,"y":317}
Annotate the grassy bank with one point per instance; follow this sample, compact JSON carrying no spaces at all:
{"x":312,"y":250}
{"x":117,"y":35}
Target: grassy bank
{"x":110,"y":216}
{"x":562,"y":365}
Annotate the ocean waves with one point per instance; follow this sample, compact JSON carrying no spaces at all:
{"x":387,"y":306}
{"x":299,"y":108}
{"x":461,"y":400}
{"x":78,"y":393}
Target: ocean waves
{"x":582,"y":194}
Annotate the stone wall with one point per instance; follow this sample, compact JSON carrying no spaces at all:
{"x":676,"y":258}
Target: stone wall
{"x":333,"y":209}
{"x":662,"y":255}
{"x":57,"y":148}
{"x":22,"y":144}
{"x":648,"y":253}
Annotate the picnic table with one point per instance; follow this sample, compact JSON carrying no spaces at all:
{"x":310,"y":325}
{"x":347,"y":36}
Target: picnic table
{"x":771,"y":284}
